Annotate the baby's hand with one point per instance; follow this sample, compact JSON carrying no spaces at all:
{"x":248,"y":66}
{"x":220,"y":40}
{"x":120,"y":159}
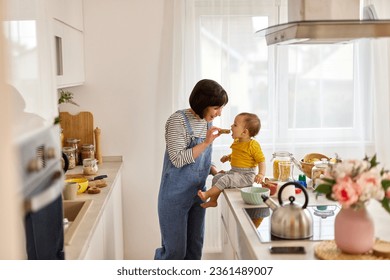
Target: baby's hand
{"x":259,"y":178}
{"x":224,"y":158}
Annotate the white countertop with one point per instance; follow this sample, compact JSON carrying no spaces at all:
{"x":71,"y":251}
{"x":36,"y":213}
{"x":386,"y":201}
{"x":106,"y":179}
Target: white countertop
{"x":80,"y":242}
{"x":259,"y":250}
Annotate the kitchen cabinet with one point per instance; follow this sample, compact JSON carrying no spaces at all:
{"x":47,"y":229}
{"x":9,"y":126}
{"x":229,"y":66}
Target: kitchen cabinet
{"x":113,"y":225}
{"x":69,"y":12}
{"x":229,"y":232}
{"x":68,"y":43}
{"x":235,"y":246}
{"x":107,"y":240}
{"x":95,"y":250}
{"x":99,"y":232}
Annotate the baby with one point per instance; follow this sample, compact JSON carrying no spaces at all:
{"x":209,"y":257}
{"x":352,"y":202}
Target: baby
{"x":245,"y":158}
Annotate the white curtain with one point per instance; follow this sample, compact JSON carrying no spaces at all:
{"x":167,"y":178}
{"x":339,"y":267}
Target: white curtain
{"x":381,"y":88}
{"x":320,"y":98}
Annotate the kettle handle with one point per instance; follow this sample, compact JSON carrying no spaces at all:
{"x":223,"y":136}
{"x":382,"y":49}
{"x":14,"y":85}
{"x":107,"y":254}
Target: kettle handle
{"x":297,"y":185}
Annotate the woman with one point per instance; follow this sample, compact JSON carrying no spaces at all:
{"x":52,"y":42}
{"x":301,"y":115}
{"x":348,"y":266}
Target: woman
{"x":187,"y":163}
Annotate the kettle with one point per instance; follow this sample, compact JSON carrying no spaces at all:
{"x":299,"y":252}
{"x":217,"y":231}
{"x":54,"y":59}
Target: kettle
{"x":290,"y":220}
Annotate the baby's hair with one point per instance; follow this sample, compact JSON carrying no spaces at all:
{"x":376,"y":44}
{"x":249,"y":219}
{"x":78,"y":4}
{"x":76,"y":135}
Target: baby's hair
{"x":252,"y":123}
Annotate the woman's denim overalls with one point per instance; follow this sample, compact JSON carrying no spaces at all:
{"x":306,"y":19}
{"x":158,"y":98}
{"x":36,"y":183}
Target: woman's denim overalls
{"x":181,"y":217}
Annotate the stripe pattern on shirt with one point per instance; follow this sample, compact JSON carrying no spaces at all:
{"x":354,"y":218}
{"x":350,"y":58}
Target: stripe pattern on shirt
{"x":177,"y":137}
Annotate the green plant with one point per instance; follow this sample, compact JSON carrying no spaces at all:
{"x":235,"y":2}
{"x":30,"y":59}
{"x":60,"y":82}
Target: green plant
{"x":65,"y":97}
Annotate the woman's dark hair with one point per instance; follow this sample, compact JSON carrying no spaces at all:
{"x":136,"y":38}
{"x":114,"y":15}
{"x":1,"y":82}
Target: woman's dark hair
{"x":207,"y":93}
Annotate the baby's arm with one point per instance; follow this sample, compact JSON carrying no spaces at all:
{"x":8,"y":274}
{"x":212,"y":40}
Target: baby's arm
{"x":260,"y":175}
{"x":226,"y":158}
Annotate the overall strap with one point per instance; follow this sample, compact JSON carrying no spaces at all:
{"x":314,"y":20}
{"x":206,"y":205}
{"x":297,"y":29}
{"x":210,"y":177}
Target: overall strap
{"x":189,"y":128}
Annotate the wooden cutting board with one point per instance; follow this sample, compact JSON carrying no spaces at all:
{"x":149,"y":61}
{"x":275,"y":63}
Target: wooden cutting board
{"x":78,"y":126}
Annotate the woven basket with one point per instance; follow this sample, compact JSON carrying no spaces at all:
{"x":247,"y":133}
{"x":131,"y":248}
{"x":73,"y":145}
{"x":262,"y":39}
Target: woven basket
{"x":308,"y":163}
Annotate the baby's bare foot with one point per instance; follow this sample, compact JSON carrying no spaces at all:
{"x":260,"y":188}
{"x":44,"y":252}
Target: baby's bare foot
{"x":202,"y":195}
{"x":209,"y":204}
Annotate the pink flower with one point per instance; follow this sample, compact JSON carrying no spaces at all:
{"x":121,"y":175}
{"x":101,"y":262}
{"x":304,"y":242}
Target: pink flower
{"x":386,"y":176}
{"x":346,"y":191}
{"x":371,"y":185}
{"x":354,"y":182}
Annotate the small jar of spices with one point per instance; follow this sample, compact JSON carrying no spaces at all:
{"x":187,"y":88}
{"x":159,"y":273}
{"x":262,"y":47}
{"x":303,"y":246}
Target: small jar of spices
{"x":70,"y":152}
{"x":90,"y":166}
{"x":87,"y":151}
{"x":74,"y":143}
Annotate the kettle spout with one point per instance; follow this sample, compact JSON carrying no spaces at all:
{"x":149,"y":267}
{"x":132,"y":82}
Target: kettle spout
{"x":269,"y":202}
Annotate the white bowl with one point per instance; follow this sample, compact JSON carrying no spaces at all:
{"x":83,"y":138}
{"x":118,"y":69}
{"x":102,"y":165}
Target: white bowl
{"x":252,"y":195}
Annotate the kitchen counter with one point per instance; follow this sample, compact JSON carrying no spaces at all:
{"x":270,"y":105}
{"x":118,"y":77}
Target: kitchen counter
{"x":250,"y":246}
{"x":80,"y":243}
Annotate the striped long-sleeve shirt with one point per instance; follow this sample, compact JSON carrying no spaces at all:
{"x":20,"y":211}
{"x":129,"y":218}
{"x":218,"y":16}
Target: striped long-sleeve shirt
{"x":177,"y":137}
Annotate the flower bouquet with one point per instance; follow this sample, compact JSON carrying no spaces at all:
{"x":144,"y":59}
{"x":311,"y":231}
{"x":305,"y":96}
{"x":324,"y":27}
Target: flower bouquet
{"x":354,"y":182}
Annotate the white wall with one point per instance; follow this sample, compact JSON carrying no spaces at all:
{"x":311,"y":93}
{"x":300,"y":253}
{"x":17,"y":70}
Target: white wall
{"x":127,"y":49}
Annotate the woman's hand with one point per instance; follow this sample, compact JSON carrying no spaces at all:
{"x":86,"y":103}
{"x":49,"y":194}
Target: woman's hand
{"x":212,"y":134}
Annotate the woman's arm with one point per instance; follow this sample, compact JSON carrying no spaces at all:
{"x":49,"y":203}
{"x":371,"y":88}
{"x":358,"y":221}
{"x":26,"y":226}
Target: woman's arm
{"x":176,"y":141}
{"x":210,"y":137}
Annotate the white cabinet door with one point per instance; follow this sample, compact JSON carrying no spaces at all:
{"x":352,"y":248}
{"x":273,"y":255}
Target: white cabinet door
{"x":229,"y":224}
{"x":228,"y":252}
{"x":95,"y":250}
{"x":113,"y":224}
{"x":69,"y":52}
{"x":107,"y":240}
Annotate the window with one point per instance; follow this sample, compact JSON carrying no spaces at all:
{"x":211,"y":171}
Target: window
{"x":310,"y":98}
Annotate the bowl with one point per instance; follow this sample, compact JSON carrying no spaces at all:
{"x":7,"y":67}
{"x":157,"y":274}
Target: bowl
{"x":252,"y":195}
{"x":308,"y":160}
{"x":272,"y":185}
{"x":83,"y":184}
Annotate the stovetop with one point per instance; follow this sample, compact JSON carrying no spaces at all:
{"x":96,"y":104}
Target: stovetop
{"x":323,"y":222}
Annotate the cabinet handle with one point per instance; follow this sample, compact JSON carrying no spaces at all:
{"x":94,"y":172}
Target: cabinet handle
{"x":60,"y":68}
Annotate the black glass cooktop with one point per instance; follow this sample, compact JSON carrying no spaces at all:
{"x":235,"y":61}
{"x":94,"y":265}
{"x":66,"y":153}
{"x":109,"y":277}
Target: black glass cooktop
{"x":323,"y":222}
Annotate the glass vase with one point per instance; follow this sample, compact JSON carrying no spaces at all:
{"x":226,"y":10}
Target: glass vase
{"x":354,"y":231}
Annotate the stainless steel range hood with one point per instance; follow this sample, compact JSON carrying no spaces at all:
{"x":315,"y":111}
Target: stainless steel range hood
{"x":325,"y":31}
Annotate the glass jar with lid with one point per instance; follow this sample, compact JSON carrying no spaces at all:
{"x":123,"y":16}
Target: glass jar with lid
{"x":277,"y":157}
{"x":318,"y":169}
{"x":90,"y":166}
{"x":87,"y":151}
{"x":73,"y":142}
{"x":70,"y":152}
